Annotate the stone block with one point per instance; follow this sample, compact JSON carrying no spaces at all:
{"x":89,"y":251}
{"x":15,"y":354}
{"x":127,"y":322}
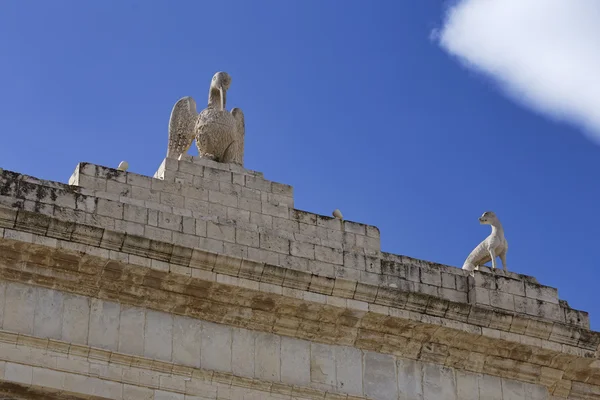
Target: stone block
{"x":242,"y":352}
{"x":278,"y":199}
{"x":131,"y":392}
{"x":139,"y":180}
{"x":187,"y":334}
{"x":543,"y":309}
{"x":238,"y":215}
{"x":164,"y":395}
{"x":467,"y":385}
{"x":2,"y":297}
{"x":305,"y":250}
{"x":158,"y":234}
{"x":354,"y":260}
{"x":322,"y":364}
{"x":47,"y":378}
{"x":215,"y":350}
{"x":482,"y":280}
{"x":448,"y":280}
{"x":252,"y":205}
{"x":491,"y":386}
{"x":295,"y":361}
{"x":131,"y":330}
{"x":7,"y":217}
{"x":349,"y":371}
{"x":220,"y":232}
{"x":273,"y":210}
{"x":438,"y":382}
{"x":539,"y":292}
{"x":478,"y":295}
{"x":576,"y":317}
{"x":410,"y":379}
{"x":274,"y":243}
{"x":48,"y":314}
{"x":355,"y":227}
{"x":512,"y":286}
{"x":145,"y":194}
{"x":19,"y":316}
{"x":517,"y":390}
{"x":502,"y":300}
{"x":380,"y":377}
{"x":112,"y":209}
{"x":282,"y":189}
{"x":267,"y":357}
{"x":453,"y":295}
{"x":89,"y":182}
{"x":18,"y":373}
{"x":75,"y":320}
{"x":158,"y":335}
{"x":104,"y":324}
{"x":329,"y":255}
{"x":258,"y":183}
{"x":135,"y":214}
{"x":122,"y":189}
{"x":219,"y":175}
{"x":224,"y":199}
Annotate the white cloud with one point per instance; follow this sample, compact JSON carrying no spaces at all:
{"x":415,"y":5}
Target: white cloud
{"x":543,"y":53}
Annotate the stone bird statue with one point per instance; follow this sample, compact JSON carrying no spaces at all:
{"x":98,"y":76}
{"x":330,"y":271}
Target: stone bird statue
{"x":219,"y":134}
{"x":495,"y":245}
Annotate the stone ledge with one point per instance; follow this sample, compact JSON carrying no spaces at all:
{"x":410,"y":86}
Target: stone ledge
{"x":188,"y":259}
{"x":480,"y":344}
{"x":508,"y":291}
{"x":321,"y":239}
{"x":394,"y":271}
{"x":107,"y":368}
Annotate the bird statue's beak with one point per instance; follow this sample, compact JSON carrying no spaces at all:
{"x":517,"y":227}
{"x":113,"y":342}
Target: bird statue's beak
{"x":221,"y":92}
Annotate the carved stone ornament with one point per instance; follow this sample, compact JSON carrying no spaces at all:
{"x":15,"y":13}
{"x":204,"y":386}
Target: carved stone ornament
{"x":219,"y":134}
{"x":495,"y":245}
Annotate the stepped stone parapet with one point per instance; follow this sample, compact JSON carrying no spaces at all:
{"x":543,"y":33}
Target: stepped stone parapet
{"x":204,"y":282}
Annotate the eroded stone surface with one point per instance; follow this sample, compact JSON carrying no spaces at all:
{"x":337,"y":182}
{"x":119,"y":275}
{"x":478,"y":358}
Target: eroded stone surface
{"x":211,"y":267}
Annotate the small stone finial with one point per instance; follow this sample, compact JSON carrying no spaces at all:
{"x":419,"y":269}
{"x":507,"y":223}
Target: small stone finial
{"x":338,"y":214}
{"x":495,"y":245}
{"x":123,"y":166}
{"x":219,"y":133}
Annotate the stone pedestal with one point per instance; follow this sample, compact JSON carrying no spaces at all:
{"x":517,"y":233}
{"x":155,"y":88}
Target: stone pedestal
{"x":204,"y":282}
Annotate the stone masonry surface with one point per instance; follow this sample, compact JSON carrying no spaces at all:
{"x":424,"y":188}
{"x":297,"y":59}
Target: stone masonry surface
{"x":206,"y":275}
{"x":416,"y":338}
{"x":211,"y":214}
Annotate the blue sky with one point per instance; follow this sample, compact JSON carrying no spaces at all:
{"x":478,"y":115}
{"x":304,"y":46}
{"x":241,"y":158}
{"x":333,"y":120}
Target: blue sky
{"x":356,"y":104}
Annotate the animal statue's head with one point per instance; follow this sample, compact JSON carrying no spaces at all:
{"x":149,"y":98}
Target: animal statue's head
{"x":488,"y":218}
{"x":220,"y":83}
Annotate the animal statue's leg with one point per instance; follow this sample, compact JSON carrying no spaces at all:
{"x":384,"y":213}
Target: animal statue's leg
{"x":503,"y":259}
{"x":493,"y":255}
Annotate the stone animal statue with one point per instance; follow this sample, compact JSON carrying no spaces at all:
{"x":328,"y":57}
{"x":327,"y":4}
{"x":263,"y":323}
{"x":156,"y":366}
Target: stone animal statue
{"x":219,"y":133}
{"x":495,"y":245}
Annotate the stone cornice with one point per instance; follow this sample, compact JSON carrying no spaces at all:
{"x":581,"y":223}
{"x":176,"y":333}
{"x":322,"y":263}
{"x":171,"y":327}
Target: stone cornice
{"x":36,"y":352}
{"x":287,"y":302}
{"x":517,"y":294}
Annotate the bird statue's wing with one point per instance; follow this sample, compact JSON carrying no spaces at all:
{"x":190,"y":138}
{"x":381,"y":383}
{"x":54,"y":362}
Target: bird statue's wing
{"x":181,"y":127}
{"x":240,"y":124}
{"x":239,"y":119}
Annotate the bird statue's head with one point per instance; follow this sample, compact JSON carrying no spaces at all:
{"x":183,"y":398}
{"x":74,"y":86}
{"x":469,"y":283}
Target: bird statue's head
{"x":488,"y":218}
{"x":221,"y":82}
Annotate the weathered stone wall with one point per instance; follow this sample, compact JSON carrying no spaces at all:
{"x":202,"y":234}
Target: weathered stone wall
{"x":204,"y":282}
{"x":205,"y":205}
{"x":155,"y":335}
